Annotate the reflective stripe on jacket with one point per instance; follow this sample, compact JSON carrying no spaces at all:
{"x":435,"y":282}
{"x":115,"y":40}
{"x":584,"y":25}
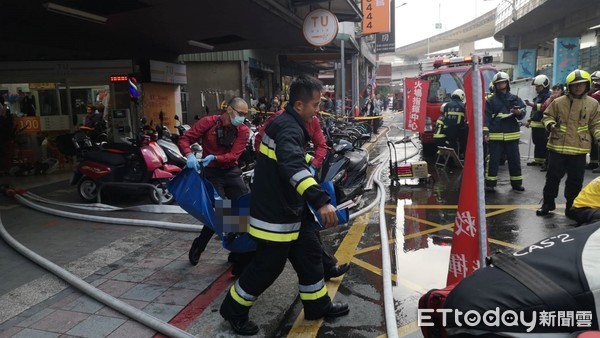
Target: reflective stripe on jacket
{"x":498,"y":121}
{"x":578,"y":121}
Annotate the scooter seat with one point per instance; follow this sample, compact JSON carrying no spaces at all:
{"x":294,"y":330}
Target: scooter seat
{"x":358,"y":159}
{"x":119,"y":147}
{"x":104,"y":157}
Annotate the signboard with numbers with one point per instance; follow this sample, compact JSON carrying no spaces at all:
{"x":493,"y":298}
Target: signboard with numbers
{"x":54,"y":123}
{"x":376,"y":16}
{"x":28,"y":124}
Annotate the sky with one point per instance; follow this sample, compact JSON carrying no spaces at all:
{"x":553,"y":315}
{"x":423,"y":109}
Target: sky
{"x":416,"y":20}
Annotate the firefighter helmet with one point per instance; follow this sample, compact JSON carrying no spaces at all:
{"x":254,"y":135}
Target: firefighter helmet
{"x":442,"y":107}
{"x":579,"y":76}
{"x":500,"y":76}
{"x":491,"y":87}
{"x":459,"y":93}
{"x":595,"y":76}
{"x":541,"y":80}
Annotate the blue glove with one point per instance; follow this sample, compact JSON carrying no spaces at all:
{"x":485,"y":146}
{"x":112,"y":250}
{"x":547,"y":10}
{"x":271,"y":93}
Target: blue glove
{"x":192,"y":162}
{"x":312,"y":170}
{"x":208,"y":159}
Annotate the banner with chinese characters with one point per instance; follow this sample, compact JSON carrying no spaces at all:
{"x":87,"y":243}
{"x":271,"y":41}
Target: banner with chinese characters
{"x":415,"y":104}
{"x":465,"y":253}
{"x":376,"y":16}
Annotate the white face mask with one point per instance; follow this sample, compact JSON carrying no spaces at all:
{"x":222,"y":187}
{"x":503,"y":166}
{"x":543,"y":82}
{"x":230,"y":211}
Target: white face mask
{"x":237,"y":120}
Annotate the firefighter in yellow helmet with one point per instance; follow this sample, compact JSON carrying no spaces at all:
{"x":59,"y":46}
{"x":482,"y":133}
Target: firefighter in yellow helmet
{"x":573,"y":121}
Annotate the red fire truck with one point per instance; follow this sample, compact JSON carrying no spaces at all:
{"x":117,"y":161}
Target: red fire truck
{"x":445,"y":77}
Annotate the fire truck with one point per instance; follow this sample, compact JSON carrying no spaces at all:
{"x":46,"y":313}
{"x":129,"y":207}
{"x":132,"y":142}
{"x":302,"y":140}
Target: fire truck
{"x":445,"y":76}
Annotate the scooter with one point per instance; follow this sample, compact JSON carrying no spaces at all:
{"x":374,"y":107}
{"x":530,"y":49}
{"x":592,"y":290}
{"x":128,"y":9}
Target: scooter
{"x":168,"y":143}
{"x":142,"y":163}
{"x":346,"y":166}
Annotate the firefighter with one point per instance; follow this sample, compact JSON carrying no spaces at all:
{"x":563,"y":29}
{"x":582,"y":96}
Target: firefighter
{"x":572,"y":121}
{"x":282,"y":186}
{"x":439,"y":136}
{"x":501,"y":131}
{"x":539,"y":134}
{"x":454,"y":122}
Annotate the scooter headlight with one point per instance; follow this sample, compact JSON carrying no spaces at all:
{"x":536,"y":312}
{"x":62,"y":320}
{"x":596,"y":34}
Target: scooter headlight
{"x":338,"y":176}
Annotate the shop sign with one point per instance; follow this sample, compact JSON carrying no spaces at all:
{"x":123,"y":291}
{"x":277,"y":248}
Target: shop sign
{"x":42,"y":86}
{"x":30,"y":124}
{"x":376,"y":16}
{"x":320,"y":27}
{"x":167,"y":72}
{"x":54,"y":123}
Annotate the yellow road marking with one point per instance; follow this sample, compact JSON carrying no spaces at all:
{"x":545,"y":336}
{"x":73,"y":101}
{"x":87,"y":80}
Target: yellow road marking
{"x":377,"y":270}
{"x":344,"y":254}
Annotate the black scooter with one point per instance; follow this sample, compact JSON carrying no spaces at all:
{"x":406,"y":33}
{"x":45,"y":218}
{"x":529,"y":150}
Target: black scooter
{"x":346,"y":167}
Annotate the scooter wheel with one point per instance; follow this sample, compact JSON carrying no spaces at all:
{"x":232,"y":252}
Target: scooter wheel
{"x":88,"y":190}
{"x":163,"y":196}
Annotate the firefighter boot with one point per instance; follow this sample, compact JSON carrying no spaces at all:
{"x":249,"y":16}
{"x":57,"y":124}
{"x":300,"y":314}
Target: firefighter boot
{"x":547,"y":206}
{"x":330,"y":311}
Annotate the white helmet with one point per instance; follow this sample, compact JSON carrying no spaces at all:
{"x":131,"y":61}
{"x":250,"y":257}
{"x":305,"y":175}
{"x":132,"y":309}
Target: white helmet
{"x":541,"y":80}
{"x":459,"y":93}
{"x":442,"y":107}
{"x":595,"y":76}
{"x":500,"y":76}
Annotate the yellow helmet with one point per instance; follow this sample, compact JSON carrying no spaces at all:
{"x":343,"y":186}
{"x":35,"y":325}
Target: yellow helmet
{"x":579,"y":76}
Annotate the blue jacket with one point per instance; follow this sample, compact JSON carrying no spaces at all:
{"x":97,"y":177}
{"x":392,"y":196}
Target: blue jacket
{"x":499,"y":124}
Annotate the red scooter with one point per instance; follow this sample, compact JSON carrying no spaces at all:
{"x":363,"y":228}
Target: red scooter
{"x":141,"y":165}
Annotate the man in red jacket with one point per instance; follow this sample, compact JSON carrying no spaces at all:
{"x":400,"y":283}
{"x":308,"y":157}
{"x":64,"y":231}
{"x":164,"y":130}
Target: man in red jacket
{"x":315,"y":132}
{"x":224,"y":138}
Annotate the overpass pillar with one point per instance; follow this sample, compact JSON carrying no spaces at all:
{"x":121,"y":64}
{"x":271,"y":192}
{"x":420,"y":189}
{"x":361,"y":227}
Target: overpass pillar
{"x":526,"y":63}
{"x":566,"y":58}
{"x":466,"y":48}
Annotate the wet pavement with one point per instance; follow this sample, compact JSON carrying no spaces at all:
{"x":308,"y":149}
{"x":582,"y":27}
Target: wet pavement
{"x":148,"y":267}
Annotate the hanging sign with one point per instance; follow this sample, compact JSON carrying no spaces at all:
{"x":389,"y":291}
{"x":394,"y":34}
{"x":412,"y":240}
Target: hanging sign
{"x":376,"y":16}
{"x":320,"y":27}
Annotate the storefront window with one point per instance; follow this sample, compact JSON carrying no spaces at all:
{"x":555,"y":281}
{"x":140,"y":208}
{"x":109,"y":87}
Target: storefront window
{"x":48,"y":102}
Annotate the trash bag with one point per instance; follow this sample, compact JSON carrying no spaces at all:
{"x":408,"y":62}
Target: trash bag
{"x":198,"y":197}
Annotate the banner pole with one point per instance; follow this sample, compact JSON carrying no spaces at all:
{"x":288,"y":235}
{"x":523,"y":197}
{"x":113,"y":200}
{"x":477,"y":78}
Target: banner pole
{"x":478,"y":128}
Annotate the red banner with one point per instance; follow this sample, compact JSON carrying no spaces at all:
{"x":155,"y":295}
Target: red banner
{"x":415,"y":104}
{"x":464,"y":255}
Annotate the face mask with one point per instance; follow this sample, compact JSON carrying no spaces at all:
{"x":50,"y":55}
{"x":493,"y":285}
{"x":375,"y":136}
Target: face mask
{"x":237,"y":120}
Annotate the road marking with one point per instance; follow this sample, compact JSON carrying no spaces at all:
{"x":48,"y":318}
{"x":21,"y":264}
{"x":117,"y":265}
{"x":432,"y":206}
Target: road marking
{"x":377,"y":270}
{"x":344,"y":254}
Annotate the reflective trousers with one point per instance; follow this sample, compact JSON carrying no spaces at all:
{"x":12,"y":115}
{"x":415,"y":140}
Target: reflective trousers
{"x":305,"y":254}
{"x":539,"y":136}
{"x":496,"y":150}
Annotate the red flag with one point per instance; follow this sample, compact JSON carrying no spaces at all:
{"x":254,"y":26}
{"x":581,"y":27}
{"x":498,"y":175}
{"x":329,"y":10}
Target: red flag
{"x":465,"y":252}
{"x":415,"y":104}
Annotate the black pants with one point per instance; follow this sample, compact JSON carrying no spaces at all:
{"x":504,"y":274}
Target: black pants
{"x":305,"y":255}
{"x":539,"y":137}
{"x":496,"y":150}
{"x":229,"y":184}
{"x":558,"y":165}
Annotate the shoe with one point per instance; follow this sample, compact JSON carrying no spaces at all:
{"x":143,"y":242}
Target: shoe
{"x":591,"y":166}
{"x":490,"y":189}
{"x":545,"y":209}
{"x":195,"y":252}
{"x":337,"y":271}
{"x":533,"y":163}
{"x":332,"y":310}
{"x":518,"y":188}
{"x":244,"y":327}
